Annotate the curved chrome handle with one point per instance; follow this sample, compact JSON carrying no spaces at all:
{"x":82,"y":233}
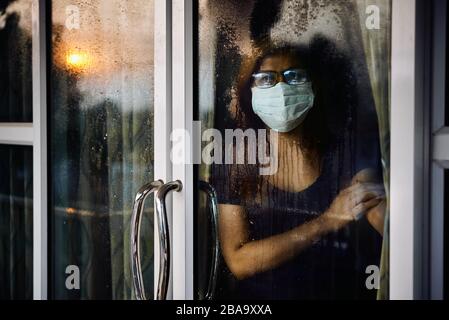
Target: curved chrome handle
{"x":136,"y":218}
{"x":164,"y":252}
{"x":212,"y":196}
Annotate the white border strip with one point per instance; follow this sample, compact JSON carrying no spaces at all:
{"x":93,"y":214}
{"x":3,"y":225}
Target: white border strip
{"x":40,"y":202}
{"x":403,"y":161}
{"x":162,"y":115}
{"x":183,"y":120}
{"x":20,"y":134}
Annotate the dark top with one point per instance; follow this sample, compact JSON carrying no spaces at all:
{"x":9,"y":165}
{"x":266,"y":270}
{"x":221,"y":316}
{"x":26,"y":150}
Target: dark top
{"x":332,"y":268}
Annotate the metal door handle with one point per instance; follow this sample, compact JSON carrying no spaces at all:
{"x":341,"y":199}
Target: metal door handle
{"x":164,"y":252}
{"x":212,"y":198}
{"x":136,"y":219}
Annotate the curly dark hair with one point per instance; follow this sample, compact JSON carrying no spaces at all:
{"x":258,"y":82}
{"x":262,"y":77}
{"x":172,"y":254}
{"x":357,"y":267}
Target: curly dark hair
{"x":331,"y":113}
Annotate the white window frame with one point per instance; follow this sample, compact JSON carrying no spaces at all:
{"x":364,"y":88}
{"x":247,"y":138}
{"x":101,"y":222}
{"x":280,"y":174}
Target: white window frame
{"x":35,"y":134}
{"x":404,"y":177}
{"x":416,"y":225}
{"x":183,"y":214}
{"x":40,"y":169}
{"x":163,"y":119}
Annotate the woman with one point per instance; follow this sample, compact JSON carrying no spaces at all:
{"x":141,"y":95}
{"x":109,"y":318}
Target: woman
{"x":310,"y":230}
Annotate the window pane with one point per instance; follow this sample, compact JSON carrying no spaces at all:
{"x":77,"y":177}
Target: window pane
{"x":15,"y":61}
{"x":16,"y":223}
{"x":287,"y":229}
{"x":101,"y":143}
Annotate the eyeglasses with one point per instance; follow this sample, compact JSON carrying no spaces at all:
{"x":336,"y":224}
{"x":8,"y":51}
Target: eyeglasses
{"x":268,"y":79}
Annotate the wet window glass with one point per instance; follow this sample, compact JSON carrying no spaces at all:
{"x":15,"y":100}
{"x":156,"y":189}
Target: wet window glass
{"x":300,"y":168}
{"x":15,"y":61}
{"x":101,"y":144}
{"x":16,"y":223}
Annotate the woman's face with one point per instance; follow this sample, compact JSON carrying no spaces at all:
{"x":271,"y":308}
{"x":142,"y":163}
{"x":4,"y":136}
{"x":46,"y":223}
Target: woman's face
{"x":282,"y":94}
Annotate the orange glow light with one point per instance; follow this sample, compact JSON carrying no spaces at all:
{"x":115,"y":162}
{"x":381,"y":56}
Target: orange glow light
{"x":77,"y":61}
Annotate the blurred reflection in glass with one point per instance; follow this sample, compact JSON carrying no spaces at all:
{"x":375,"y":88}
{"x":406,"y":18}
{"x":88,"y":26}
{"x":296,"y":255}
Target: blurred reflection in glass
{"x":310,"y":230}
{"x":15,"y":61}
{"x":101,"y":143}
{"x":16,"y":223}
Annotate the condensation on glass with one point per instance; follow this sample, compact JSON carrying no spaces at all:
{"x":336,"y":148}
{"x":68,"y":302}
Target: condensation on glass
{"x":101,"y":143}
{"x":16,"y":223}
{"x":15,"y":61}
{"x":345,"y":48}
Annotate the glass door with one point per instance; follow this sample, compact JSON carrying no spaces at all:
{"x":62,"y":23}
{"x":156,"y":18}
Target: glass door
{"x":108,"y":107}
{"x":292,"y":193}
{"x":213,"y":149}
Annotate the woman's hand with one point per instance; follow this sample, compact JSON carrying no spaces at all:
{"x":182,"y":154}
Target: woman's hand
{"x":376,"y":215}
{"x":353,"y":202}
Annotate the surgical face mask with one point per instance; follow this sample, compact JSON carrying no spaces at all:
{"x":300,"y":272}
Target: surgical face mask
{"x":283,"y":107}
